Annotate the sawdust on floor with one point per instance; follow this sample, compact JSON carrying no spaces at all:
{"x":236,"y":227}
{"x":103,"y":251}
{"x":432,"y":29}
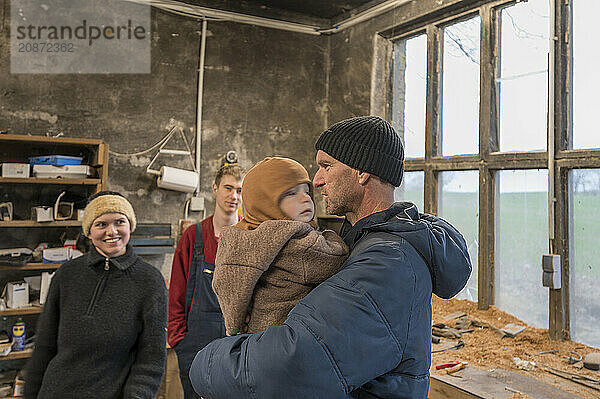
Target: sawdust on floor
{"x":485,"y":349}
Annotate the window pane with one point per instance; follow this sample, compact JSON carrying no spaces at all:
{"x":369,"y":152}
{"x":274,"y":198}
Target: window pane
{"x":523,"y":81}
{"x":411,"y":189}
{"x":460,"y":88}
{"x":521,"y":240}
{"x":584,"y":271}
{"x":410,"y":85}
{"x":586,"y":81}
{"x":459,"y":204}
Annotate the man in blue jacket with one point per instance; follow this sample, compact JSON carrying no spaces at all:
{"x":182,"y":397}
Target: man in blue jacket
{"x":366,"y":331}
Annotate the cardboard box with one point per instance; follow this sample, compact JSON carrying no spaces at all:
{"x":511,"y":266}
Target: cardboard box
{"x":65,"y":172}
{"x":15,"y":170}
{"x":17,"y":294}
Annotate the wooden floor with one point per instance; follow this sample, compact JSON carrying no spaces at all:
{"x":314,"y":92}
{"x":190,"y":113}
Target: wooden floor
{"x":494,"y":384}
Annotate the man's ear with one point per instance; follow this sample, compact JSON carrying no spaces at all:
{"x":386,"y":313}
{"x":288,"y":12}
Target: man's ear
{"x":214,"y":188}
{"x":363,"y":177}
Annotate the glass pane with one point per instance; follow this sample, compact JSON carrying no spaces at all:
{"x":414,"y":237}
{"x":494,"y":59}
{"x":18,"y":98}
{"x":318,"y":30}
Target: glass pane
{"x":521,"y":240}
{"x":411,"y":189}
{"x":458,"y":203}
{"x":586,"y":80}
{"x":584,"y":270}
{"x":460,"y":88}
{"x":410,"y":85}
{"x":523,"y":81}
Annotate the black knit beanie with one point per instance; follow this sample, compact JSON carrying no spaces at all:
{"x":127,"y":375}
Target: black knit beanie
{"x":367,"y":143}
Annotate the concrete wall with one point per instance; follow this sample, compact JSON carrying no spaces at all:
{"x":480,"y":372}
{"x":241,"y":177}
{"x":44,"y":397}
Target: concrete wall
{"x":264,"y":94}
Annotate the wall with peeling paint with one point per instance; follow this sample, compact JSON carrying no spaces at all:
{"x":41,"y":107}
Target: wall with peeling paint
{"x":264,"y":95}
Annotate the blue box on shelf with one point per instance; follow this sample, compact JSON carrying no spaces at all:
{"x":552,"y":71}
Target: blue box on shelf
{"x":56,"y":160}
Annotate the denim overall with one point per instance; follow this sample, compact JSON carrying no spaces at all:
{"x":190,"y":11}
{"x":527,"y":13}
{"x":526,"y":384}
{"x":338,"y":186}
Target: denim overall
{"x":204,"y":319}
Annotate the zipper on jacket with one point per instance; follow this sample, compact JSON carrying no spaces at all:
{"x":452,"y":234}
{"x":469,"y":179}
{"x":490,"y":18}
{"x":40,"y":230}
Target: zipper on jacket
{"x":98,"y":288}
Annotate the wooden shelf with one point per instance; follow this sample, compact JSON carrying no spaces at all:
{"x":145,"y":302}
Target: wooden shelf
{"x":17,"y":355}
{"x":31,"y":266}
{"x":21,"y":311}
{"x":18,"y":138}
{"x":39,"y":180}
{"x":31,"y":223}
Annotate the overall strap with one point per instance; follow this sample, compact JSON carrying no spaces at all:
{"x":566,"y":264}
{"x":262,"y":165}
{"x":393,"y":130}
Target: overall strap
{"x":197,"y":254}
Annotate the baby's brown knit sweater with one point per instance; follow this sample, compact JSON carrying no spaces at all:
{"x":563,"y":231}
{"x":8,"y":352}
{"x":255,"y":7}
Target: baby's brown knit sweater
{"x":264,"y":272}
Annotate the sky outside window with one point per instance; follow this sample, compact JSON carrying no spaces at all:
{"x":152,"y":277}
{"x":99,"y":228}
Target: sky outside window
{"x":523,"y":77}
{"x":460,"y":88}
{"x":410,"y":85}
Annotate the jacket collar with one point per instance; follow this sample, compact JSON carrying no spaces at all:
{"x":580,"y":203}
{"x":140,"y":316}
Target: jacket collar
{"x":122,"y":262}
{"x":352,"y":234}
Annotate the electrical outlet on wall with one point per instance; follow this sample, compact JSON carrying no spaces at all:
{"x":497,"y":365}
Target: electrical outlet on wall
{"x":196,"y":204}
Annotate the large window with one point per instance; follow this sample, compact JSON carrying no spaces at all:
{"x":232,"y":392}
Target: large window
{"x":513,"y":165}
{"x":460,"y":93}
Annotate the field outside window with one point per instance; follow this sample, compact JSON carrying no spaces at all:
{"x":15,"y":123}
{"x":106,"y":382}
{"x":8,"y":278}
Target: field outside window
{"x":520,"y":241}
{"x":411,"y":189}
{"x":459,"y":204}
{"x":584,"y":230}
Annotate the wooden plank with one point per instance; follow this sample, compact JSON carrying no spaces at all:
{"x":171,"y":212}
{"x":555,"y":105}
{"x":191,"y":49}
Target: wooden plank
{"x":432,"y":123}
{"x":486,"y":238}
{"x":558,"y":303}
{"x":488,"y":135}
{"x":579,"y":162}
{"x":439,"y":389}
{"x":21,"y":311}
{"x":18,"y":355}
{"x":18,"y":138}
{"x":31,"y":223}
{"x":31,"y":266}
{"x":103,"y":169}
{"x":493,"y":385}
{"x":415,"y":164}
{"x":39,"y":180}
{"x":558,"y":324}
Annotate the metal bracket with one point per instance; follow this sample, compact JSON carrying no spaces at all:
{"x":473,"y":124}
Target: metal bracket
{"x":163,"y":150}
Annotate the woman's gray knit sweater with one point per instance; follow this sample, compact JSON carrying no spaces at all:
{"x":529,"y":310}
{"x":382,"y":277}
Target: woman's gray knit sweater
{"x":103,"y":331}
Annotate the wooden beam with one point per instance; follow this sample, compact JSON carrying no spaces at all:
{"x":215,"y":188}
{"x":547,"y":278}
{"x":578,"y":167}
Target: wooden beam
{"x":558,"y":312}
{"x":432,"y":116}
{"x":558,"y":303}
{"x":487,"y":191}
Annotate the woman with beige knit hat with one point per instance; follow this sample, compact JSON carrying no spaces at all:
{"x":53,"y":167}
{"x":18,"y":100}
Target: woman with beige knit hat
{"x":274,"y":256}
{"x":102,"y":333}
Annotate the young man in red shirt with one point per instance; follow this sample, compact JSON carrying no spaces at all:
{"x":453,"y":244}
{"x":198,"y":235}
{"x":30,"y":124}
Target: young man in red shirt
{"x":195,"y":318}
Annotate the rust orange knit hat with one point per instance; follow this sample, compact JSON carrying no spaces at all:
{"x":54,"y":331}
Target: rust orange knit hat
{"x":263,"y":186}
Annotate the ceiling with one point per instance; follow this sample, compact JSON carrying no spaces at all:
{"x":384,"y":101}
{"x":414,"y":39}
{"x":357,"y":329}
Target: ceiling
{"x":321,"y":12}
{"x":314,"y":8}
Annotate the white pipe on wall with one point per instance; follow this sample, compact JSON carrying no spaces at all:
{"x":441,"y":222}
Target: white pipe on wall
{"x":199,"y":103}
{"x":551,"y":135}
